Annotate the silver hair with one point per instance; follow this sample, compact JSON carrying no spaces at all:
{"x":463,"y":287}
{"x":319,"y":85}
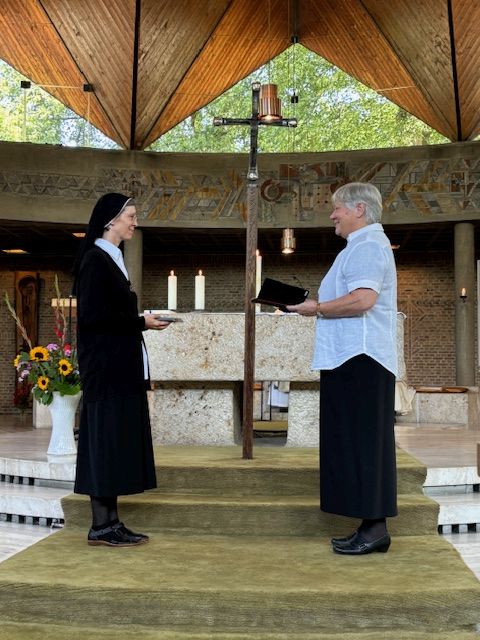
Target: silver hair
{"x":353,"y":193}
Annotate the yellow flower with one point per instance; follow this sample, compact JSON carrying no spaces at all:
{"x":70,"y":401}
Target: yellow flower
{"x":42,"y":382}
{"x":65,"y":367}
{"x":40,"y":354}
{"x":16,"y":361}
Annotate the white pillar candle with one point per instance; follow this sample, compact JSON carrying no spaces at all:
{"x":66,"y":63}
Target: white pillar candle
{"x":200,"y":291}
{"x":258,"y":277}
{"x":258,"y":273}
{"x":172,"y":291}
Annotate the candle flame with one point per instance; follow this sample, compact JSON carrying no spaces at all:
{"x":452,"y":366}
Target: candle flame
{"x":199,"y":272}
{"x":172,"y":272}
{"x":257,"y":253}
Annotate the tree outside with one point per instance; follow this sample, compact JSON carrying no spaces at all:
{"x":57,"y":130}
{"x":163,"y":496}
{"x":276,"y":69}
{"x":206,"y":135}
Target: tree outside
{"x":334,"y":112}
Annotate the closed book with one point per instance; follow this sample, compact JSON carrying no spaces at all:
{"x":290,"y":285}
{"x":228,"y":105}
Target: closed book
{"x":279,"y":294}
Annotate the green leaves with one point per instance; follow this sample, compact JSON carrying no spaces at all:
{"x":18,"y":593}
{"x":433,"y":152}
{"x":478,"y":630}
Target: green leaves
{"x":334,"y":112}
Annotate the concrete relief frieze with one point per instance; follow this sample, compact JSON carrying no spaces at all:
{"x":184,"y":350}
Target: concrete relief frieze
{"x":299,"y":192}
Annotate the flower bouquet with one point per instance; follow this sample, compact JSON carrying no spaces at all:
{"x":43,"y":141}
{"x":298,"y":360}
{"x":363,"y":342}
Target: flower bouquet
{"x":51,"y":368}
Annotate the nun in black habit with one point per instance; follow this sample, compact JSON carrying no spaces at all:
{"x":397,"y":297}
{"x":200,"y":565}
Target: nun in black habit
{"x":115,"y":453}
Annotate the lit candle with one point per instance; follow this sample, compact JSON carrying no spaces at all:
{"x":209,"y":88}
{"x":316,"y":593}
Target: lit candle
{"x":172,"y":290}
{"x":258,"y":278}
{"x":200,"y":291}
{"x":464,"y":293}
{"x":258,"y":272}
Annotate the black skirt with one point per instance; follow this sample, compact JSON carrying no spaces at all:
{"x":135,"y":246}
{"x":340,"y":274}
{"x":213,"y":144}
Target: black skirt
{"x":115,"y":452}
{"x":357,"y":442}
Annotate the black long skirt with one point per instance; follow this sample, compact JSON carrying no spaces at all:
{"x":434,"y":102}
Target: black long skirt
{"x":115,"y":452}
{"x":357,"y":443}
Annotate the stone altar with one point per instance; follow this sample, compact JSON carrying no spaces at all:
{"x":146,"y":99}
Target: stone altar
{"x":197,"y":370}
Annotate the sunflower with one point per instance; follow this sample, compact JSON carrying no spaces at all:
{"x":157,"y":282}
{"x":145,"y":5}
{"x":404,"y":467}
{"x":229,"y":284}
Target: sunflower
{"x":42,"y":382}
{"x":65,"y":367}
{"x":16,"y":361}
{"x":40,"y":354}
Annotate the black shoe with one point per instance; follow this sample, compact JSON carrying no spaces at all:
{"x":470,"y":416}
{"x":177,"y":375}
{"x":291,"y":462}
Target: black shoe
{"x":358,"y":546}
{"x":341,"y":542}
{"x":111,"y":537}
{"x":140,"y":537}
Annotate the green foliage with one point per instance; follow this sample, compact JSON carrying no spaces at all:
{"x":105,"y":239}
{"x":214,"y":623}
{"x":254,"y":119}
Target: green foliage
{"x":334,"y":112}
{"x":32,"y":115}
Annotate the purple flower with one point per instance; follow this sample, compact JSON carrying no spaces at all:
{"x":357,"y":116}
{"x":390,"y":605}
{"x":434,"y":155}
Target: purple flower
{"x":52,"y":347}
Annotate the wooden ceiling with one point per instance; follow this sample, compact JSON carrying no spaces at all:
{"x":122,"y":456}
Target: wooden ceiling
{"x":152,"y":63}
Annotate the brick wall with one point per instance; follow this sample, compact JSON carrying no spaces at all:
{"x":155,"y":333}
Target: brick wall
{"x":425,"y":294}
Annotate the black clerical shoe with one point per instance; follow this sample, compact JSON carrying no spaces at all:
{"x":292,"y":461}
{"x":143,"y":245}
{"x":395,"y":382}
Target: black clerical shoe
{"x":112,"y":537}
{"x":140,"y":537}
{"x":341,"y":542}
{"x":358,"y":546}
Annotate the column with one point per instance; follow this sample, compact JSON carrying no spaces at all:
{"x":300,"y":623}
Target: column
{"x":133,"y":258}
{"x":464,"y":250}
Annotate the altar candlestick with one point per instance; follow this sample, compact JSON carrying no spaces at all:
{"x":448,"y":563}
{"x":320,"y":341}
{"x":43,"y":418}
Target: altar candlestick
{"x":200,"y":291}
{"x":172,"y":291}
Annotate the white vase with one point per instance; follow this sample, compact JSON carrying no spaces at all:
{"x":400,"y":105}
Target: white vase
{"x":62,"y":410}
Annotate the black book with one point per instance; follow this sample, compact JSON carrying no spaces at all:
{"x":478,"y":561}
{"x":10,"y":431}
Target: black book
{"x":278,"y":294}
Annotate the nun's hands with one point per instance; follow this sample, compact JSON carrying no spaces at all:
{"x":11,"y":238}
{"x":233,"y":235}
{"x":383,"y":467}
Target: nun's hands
{"x":151,"y":322}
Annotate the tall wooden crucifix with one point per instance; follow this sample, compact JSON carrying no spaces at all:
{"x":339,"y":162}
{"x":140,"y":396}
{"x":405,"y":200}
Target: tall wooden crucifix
{"x":254,"y":121}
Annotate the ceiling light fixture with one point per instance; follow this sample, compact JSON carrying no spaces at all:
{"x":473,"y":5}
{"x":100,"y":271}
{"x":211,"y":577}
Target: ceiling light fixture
{"x":79,"y":234}
{"x":288,"y":241}
{"x":14,"y":251}
{"x":270,"y":105}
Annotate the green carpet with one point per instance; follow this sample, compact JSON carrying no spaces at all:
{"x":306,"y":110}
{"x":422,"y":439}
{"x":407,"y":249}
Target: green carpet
{"x":239,"y":551}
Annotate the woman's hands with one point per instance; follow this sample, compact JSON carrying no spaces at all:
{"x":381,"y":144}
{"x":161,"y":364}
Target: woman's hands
{"x":306,"y":308}
{"x":151,"y":322}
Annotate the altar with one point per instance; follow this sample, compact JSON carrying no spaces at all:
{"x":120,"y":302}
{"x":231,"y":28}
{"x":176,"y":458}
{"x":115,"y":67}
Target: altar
{"x":196,"y":367}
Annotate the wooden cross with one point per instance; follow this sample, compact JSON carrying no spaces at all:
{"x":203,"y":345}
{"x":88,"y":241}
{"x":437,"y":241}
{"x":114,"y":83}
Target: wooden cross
{"x":250,"y":262}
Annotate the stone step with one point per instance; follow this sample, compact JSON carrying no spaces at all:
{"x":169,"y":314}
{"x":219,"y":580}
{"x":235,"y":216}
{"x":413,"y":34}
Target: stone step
{"x":275,"y":584}
{"x":247,"y":515}
{"x":31,"y":502}
{"x":461,"y":511}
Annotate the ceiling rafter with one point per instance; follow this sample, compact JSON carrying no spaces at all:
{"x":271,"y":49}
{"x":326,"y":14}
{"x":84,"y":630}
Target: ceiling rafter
{"x":153,"y":63}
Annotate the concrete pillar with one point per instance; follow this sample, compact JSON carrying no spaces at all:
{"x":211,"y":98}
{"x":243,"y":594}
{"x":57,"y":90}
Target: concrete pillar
{"x":133,"y":258}
{"x":464,"y":248}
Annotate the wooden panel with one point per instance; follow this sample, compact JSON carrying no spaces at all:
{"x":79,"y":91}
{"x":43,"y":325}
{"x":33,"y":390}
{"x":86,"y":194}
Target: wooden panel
{"x":346,"y":34}
{"x":250,"y":33}
{"x":466,"y":14}
{"x":419,"y":34}
{"x":99,"y":35}
{"x":31,"y":44}
{"x":172,"y":34}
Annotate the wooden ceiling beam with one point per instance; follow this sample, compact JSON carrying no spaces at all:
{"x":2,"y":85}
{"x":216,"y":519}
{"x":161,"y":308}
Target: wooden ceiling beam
{"x":173,"y":35}
{"x":250,"y":33}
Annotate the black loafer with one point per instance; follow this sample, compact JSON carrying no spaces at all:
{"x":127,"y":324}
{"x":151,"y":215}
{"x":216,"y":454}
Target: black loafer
{"x":358,"y":546}
{"x":140,"y":537}
{"x":111,"y":537}
{"x":340,"y":542}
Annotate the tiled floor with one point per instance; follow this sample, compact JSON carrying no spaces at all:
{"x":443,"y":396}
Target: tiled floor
{"x":437,"y":446}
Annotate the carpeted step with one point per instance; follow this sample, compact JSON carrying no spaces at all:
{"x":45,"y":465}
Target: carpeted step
{"x":273,"y":471}
{"x":59,"y":632}
{"x":247,"y":515}
{"x":287,"y":585}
